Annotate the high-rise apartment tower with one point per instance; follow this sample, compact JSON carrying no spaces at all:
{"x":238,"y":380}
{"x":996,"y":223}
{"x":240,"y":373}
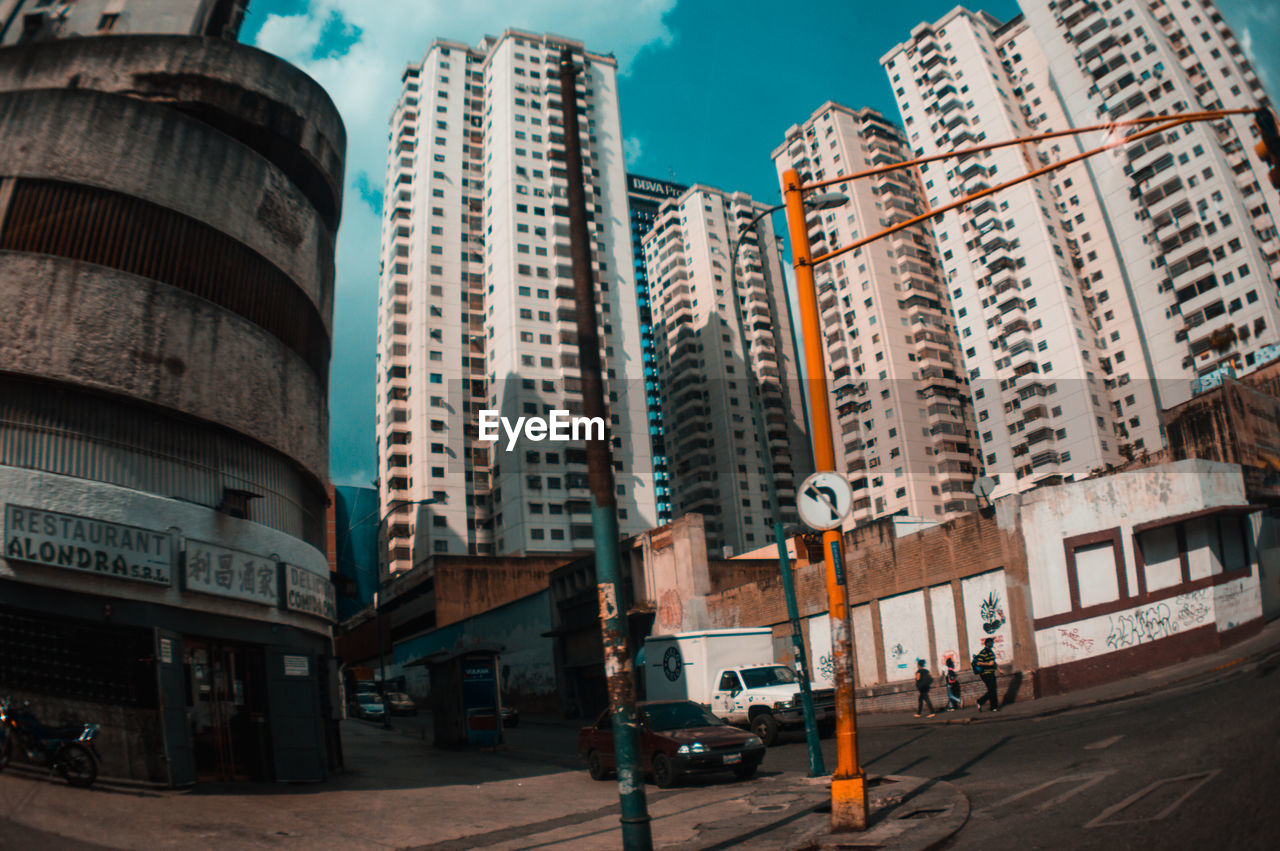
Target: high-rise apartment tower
{"x":1089,"y":299}
{"x":476,"y":308}
{"x":900,"y":407}
{"x":707,"y":371}
{"x":646,"y":196}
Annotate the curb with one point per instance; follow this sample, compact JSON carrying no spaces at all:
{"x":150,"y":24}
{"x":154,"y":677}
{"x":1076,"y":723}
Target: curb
{"x":903,"y":812}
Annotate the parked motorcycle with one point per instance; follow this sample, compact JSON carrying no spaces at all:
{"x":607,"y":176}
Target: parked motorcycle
{"x":66,"y":749}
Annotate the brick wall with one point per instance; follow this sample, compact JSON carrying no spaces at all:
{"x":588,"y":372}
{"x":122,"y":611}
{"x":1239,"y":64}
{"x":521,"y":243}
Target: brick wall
{"x":879,"y":565}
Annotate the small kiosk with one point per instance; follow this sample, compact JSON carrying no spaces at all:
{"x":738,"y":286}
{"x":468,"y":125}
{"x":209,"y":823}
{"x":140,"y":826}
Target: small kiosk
{"x":466,"y":701}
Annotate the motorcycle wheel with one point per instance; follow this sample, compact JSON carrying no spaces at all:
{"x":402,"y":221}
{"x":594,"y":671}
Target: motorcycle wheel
{"x":76,"y":764}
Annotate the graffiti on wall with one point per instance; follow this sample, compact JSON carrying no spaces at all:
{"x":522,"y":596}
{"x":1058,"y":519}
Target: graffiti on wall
{"x":1192,"y":608}
{"x":1073,"y":639}
{"x":992,"y":613}
{"x":1141,"y":625}
{"x":984,"y":597}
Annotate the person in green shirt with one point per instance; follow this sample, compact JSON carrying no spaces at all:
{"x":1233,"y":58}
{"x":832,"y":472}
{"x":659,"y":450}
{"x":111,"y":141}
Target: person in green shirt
{"x":984,"y":665}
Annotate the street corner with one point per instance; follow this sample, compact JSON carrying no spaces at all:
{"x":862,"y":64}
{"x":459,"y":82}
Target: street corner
{"x":903,"y":812}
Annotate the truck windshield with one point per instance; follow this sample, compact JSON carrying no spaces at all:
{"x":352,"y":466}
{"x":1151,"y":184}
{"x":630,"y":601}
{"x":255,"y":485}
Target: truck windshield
{"x":772,"y":675}
{"x":676,"y":716}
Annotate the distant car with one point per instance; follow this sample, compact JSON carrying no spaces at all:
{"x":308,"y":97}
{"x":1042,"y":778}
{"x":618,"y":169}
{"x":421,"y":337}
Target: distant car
{"x":677,"y":737}
{"x":510,"y":716}
{"x":369,"y":706}
{"x":401,"y":704}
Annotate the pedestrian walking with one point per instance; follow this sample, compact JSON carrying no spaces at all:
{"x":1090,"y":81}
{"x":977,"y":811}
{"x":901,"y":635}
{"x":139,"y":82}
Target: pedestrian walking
{"x":984,"y":665}
{"x":952,"y":679}
{"x":924,"y":680}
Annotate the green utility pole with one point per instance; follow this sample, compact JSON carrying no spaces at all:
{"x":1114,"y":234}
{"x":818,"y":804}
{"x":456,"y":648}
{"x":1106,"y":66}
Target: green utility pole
{"x":816,"y":766}
{"x":618,"y":669}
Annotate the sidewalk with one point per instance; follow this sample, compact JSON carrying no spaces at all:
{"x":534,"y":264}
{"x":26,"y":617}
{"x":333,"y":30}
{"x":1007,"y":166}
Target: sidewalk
{"x":1251,"y":651}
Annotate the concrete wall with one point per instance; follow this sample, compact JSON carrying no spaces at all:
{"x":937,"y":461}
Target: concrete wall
{"x":1140,"y":569}
{"x":930,"y":594}
{"x":526,"y":663}
{"x":263,"y":101}
{"x":466,"y":586}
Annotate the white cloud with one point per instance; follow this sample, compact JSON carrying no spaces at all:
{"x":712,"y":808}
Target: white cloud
{"x":364,"y":80}
{"x":632,"y":148}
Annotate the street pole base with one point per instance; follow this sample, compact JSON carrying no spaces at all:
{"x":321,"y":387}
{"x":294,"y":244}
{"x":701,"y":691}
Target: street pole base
{"x":848,"y":803}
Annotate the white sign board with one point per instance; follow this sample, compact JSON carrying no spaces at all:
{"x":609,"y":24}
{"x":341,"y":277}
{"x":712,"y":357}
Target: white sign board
{"x":225,"y":572}
{"x":309,"y":593}
{"x":87,"y":545}
{"x":166,"y":651}
{"x":297,"y":666}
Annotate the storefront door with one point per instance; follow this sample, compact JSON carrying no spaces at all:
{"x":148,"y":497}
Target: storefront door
{"x":224,"y":709}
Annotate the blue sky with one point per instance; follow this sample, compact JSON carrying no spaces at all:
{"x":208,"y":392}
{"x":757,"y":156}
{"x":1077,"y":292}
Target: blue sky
{"x":708,"y":87}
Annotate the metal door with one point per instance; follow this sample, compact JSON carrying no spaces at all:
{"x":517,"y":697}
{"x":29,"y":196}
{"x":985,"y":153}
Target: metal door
{"x":171,"y":686}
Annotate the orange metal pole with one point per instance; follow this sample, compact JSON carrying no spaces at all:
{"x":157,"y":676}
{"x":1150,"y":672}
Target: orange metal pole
{"x":1210,"y":115}
{"x":848,"y":785}
{"x":991,"y":190}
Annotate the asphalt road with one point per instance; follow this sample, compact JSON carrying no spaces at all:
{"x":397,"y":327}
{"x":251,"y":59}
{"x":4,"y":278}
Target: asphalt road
{"x":1196,"y":766}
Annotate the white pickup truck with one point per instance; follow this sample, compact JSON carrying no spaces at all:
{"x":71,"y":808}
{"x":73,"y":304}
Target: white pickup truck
{"x":730,"y":671}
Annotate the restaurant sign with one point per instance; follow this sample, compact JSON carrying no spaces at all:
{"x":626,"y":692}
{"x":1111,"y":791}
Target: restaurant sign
{"x":224,"y":572}
{"x":87,"y":545}
{"x":309,"y":593}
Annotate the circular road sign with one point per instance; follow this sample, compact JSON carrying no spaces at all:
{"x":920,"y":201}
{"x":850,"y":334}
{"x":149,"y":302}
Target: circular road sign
{"x":825,"y":500}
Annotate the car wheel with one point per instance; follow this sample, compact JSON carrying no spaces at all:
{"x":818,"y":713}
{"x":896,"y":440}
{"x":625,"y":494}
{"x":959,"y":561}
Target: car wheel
{"x":595,"y":766}
{"x":664,"y":773}
{"x":765,"y":726}
{"x":826,"y":729}
{"x":746,"y":772}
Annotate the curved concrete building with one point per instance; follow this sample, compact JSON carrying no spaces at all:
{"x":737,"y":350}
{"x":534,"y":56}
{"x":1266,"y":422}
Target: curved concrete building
{"x":168,"y":209}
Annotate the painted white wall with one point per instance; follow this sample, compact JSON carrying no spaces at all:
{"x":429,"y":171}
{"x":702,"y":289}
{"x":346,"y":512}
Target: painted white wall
{"x":905,"y":633}
{"x":946,"y":641}
{"x":1123,"y":500}
{"x":864,"y":645}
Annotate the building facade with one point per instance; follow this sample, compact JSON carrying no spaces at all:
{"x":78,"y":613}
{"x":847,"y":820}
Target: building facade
{"x":707,"y":370}
{"x":645,"y":195}
{"x":1089,"y":299}
{"x":166,"y":261}
{"x":900,"y":410}
{"x":36,"y":20}
{"x":476,"y":304}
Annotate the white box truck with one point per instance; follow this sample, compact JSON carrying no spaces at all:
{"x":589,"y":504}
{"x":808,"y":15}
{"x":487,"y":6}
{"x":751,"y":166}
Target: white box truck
{"x":732,"y":671}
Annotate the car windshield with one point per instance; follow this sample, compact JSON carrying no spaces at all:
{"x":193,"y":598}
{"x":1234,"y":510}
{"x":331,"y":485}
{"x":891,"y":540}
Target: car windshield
{"x":398,"y":695}
{"x":368,"y":698}
{"x":676,"y":716}
{"x":770,"y":675}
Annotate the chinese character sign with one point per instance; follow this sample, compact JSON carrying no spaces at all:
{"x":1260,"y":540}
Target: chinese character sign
{"x":225,"y":572}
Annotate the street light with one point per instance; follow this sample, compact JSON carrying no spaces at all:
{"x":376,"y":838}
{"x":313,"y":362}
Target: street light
{"x":824,"y":201}
{"x":382,"y":583}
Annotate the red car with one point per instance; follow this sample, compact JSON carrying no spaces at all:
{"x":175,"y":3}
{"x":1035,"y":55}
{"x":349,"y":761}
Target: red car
{"x":676,"y":737}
